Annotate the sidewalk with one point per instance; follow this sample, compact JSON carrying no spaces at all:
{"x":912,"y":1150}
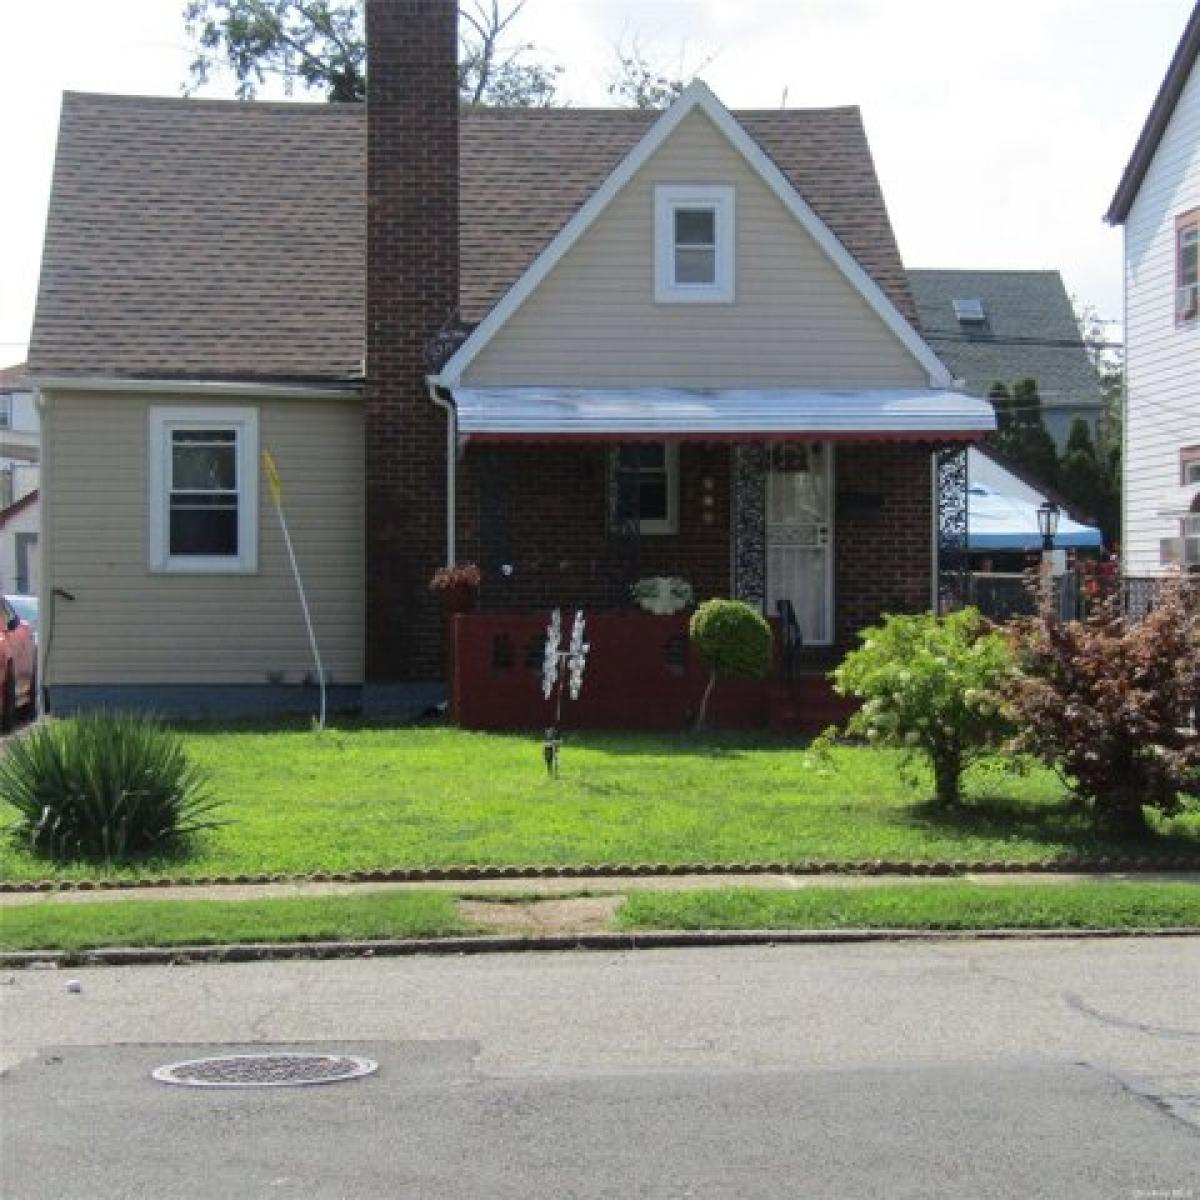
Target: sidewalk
{"x":505,"y":891}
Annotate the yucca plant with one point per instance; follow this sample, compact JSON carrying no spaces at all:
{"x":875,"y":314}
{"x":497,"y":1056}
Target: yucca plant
{"x":105,"y":785}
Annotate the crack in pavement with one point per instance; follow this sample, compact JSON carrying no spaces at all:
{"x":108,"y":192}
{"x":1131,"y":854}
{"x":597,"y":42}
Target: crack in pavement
{"x":1080,"y":1005}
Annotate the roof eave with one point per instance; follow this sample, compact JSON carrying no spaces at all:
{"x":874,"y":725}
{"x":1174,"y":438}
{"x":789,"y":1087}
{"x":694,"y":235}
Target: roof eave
{"x":1182,"y":64}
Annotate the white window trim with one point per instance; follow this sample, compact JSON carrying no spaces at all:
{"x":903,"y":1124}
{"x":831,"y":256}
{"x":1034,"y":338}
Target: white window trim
{"x":668,"y":198}
{"x":670,"y":525}
{"x":244,"y":422}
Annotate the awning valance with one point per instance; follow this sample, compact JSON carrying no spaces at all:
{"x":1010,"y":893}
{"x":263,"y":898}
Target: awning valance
{"x":550,"y":414}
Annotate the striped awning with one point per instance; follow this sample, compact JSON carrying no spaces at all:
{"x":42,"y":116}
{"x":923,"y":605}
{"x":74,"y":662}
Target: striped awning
{"x":562,"y":414}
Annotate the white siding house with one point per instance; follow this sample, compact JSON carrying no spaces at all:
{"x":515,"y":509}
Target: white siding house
{"x":20,"y":477}
{"x":1158,"y":203}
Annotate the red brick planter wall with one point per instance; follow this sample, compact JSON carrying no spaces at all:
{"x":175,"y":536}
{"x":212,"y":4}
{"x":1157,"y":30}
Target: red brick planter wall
{"x":642,"y":673}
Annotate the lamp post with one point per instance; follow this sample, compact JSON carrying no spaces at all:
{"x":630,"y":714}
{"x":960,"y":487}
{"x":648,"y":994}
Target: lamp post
{"x":1047,"y":519}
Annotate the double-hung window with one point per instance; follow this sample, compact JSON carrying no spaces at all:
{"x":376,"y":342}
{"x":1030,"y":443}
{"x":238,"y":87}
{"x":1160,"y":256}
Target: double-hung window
{"x":694,"y":234}
{"x":646,"y":483}
{"x":203,"y":473}
{"x":1187,"y":267}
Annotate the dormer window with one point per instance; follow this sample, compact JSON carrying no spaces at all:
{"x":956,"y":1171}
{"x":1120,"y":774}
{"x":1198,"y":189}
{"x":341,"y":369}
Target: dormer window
{"x":694,"y":244}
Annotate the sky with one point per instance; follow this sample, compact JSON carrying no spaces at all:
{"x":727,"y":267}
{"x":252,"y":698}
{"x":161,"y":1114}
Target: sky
{"x":999,"y":131}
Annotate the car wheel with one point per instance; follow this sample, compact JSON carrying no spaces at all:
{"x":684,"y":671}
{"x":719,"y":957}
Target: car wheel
{"x":8,"y":702}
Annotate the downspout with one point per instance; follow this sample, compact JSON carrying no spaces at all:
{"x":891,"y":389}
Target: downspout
{"x":445,"y":400}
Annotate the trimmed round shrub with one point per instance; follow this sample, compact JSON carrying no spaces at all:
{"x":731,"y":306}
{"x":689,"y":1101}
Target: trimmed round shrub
{"x":105,"y":785}
{"x":734,"y":642}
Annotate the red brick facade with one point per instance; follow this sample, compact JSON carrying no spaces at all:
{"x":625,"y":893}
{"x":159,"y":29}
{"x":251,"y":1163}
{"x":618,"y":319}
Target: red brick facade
{"x":412,"y":291}
{"x":554,"y":534}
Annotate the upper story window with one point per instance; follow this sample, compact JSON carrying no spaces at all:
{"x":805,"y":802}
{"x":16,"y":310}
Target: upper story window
{"x":203,"y":471}
{"x":694,"y":244}
{"x":5,"y":410}
{"x":1187,"y":266}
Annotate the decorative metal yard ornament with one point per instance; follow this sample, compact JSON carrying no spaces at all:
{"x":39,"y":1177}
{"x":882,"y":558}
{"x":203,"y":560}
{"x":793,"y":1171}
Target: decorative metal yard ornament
{"x":561,"y":667}
{"x":276,"y":486}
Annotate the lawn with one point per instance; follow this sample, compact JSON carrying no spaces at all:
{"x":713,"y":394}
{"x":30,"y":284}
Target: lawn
{"x":361,"y":797}
{"x":937,"y":906}
{"x":51,"y":926}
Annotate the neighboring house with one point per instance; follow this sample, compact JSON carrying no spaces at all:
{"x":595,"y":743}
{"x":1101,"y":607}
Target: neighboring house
{"x":20,"y":473}
{"x":1158,"y":203}
{"x":1004,"y":326}
{"x":599,"y":345}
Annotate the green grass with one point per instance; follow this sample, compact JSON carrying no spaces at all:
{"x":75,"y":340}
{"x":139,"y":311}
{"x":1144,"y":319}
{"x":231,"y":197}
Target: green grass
{"x":363,"y":797}
{"x":66,"y":926}
{"x":922,"y":906}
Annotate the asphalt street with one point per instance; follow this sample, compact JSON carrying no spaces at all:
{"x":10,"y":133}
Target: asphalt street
{"x":1053,"y":1069}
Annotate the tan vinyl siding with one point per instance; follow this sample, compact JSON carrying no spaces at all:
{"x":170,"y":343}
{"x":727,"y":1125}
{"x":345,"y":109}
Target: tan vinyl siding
{"x":128,"y":624}
{"x":795,"y":322}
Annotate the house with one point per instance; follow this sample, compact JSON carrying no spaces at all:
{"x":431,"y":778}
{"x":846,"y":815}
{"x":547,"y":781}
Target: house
{"x":20,"y":472}
{"x":1158,"y":204}
{"x":578,"y":347}
{"x":1003,"y":326}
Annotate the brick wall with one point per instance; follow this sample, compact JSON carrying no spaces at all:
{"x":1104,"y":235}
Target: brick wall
{"x":412,"y":290}
{"x":554,"y":532}
{"x":883,"y":535}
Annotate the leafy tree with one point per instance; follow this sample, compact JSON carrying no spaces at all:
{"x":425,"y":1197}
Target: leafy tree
{"x":929,"y":686}
{"x":639,"y":83}
{"x":322,"y":44}
{"x":1107,"y":701}
{"x":1021,"y":433}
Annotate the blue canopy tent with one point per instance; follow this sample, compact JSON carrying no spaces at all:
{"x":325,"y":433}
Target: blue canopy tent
{"x":998,"y":522}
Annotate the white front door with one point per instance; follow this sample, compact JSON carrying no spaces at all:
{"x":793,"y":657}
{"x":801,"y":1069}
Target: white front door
{"x":800,"y":536}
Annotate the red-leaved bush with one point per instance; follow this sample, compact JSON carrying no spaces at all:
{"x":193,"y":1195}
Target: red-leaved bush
{"x":1111,"y":701}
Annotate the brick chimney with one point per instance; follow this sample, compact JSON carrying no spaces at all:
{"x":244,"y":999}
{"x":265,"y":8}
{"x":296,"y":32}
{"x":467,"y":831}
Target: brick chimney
{"x":412,"y":291}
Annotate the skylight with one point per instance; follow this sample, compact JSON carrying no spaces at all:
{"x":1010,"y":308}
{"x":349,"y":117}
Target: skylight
{"x":969,"y":311}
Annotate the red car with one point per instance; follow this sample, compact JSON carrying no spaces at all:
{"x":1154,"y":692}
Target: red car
{"x":18,"y":666}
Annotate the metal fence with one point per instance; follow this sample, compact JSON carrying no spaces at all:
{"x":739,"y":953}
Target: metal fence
{"x":1005,"y":596}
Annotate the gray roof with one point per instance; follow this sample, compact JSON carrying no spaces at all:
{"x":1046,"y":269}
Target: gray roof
{"x":1029,"y":332}
{"x":224,"y":239}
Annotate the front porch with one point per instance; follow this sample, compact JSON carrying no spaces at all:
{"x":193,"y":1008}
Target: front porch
{"x":642,"y":673}
{"x":818,"y":508}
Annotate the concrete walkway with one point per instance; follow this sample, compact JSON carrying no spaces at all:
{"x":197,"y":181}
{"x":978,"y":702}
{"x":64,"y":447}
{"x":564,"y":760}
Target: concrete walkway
{"x":504,"y":891}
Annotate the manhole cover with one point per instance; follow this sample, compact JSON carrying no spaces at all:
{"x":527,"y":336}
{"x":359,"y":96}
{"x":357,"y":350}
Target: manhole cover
{"x":265,"y":1070}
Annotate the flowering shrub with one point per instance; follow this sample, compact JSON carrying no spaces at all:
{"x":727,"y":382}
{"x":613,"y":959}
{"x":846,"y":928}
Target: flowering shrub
{"x":734,"y":642}
{"x":929,"y":686}
{"x":1108,"y":701}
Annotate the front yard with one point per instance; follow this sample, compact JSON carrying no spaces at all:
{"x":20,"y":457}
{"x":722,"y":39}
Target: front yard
{"x":360,"y":798}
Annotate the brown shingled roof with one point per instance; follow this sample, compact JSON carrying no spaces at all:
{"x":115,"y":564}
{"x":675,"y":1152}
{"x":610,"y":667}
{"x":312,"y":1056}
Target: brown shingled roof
{"x":225,"y":239}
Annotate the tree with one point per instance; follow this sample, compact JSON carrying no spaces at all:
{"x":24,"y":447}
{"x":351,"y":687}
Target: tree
{"x":322,"y":44}
{"x":734,"y":642}
{"x":1021,"y":434}
{"x":638,"y":83}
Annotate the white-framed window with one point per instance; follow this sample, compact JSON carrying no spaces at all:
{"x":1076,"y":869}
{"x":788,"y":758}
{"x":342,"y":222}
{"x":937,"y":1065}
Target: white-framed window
{"x":653,"y":469}
{"x":203,"y":483}
{"x":5,"y":410}
{"x":694,"y":243}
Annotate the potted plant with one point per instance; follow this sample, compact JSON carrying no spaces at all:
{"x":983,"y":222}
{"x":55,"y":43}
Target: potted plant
{"x":457,"y":587}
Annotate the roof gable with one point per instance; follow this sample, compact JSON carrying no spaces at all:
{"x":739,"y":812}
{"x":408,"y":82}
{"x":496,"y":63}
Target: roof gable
{"x":1183,"y":63}
{"x":696,"y":99}
{"x":217,"y":239}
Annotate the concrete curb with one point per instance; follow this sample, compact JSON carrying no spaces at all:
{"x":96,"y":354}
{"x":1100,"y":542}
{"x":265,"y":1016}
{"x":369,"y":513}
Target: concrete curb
{"x":467,"y":874}
{"x":126,"y":956}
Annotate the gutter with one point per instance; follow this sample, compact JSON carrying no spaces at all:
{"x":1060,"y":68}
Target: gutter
{"x":196,"y":387}
{"x":444,"y":399}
